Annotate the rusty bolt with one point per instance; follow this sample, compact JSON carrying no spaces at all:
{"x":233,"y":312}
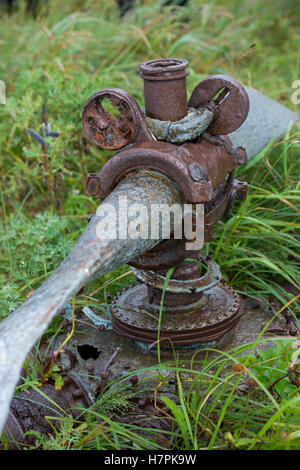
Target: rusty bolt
{"x":92,"y":186}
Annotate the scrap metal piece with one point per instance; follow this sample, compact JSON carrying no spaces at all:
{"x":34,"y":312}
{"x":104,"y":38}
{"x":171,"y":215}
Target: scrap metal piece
{"x":197,"y":308}
{"x":186,"y":283}
{"x":96,"y":319}
{"x":203,"y":171}
{"x":105,"y":373}
{"x":202,"y":167}
{"x":29,"y":409}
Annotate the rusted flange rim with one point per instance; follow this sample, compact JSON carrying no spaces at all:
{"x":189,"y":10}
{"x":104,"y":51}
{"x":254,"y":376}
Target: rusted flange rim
{"x":231,"y":111}
{"x":201,"y":322}
{"x":182,"y":338}
{"x":211,"y":278}
{"x":102,"y":128}
{"x":164,"y":69}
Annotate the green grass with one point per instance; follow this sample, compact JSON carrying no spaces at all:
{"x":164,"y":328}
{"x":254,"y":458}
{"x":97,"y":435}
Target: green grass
{"x":51,"y":66}
{"x":212,"y":409}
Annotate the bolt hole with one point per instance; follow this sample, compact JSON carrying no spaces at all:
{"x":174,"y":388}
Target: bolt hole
{"x":86,"y":351}
{"x":221,"y":95}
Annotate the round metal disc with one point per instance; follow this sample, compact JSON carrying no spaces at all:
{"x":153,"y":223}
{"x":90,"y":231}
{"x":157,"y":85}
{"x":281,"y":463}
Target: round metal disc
{"x":217,"y":312}
{"x":232,"y":103}
{"x":110,"y":119}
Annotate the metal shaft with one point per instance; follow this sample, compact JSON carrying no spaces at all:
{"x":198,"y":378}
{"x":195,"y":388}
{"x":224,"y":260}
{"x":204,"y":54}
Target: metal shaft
{"x":266,"y":120}
{"x":89,"y":258}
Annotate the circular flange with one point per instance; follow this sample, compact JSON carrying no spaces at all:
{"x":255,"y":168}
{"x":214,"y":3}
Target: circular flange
{"x":164,"y":69}
{"x":217,"y":312}
{"x":114,"y":127}
{"x":232,"y":104}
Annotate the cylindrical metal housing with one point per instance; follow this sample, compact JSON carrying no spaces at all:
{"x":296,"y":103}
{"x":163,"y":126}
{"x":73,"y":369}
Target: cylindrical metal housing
{"x":165,"y":88}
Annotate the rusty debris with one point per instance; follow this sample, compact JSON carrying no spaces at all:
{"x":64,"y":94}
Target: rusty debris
{"x":188,"y":156}
{"x":105,"y":373}
{"x":198,"y":307}
{"x":29,"y":408}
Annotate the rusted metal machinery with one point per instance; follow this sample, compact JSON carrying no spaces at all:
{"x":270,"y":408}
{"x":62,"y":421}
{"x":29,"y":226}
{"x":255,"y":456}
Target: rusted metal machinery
{"x":187,"y":142}
{"x":175,"y":152}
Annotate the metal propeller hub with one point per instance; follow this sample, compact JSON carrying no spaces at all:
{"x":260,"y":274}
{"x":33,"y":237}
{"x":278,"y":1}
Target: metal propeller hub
{"x":213,"y":315}
{"x":186,"y":141}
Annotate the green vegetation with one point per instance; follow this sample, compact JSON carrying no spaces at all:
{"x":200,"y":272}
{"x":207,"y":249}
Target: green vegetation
{"x":51,"y":66}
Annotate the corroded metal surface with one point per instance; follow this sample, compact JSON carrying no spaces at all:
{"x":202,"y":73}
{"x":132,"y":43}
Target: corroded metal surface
{"x":165,"y":88}
{"x":217,"y":312}
{"x":197,"y":306}
{"x":133,"y":360}
{"x":28,"y":410}
{"x":117,"y":126}
{"x":202,"y":167}
{"x":232,"y":104}
{"x":187,"y":165}
{"x":211,"y":277}
{"x":167,"y":253}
